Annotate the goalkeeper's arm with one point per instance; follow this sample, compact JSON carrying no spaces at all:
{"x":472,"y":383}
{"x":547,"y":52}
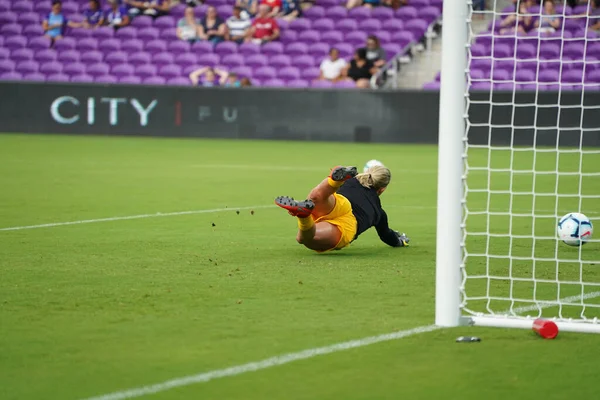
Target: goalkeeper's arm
{"x":389,"y":236}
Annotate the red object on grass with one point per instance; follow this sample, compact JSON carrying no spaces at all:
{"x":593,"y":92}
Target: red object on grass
{"x":545,"y":328}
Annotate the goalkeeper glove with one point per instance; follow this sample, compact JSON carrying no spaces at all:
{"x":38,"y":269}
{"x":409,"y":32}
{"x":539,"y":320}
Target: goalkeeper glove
{"x":402,"y":239}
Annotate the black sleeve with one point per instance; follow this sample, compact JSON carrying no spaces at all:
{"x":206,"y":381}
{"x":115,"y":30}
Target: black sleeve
{"x":386,"y":235}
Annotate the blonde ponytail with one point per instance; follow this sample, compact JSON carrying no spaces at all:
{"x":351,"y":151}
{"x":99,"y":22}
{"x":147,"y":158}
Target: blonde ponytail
{"x":376,"y":177}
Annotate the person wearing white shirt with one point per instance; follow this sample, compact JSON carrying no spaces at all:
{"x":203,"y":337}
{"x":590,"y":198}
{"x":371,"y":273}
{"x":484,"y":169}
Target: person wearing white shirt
{"x":332,"y":67}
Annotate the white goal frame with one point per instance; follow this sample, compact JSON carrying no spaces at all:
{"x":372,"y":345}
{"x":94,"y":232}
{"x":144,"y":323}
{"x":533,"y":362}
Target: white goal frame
{"x":451,"y":237}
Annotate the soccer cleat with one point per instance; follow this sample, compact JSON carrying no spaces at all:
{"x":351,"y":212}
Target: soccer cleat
{"x":300,"y":209}
{"x":341,"y":174}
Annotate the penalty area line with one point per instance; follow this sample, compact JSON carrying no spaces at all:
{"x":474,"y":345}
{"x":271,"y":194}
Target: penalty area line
{"x":263,"y":364}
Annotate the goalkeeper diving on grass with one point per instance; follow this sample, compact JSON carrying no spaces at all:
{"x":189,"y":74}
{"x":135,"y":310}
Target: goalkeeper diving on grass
{"x":342,"y":207}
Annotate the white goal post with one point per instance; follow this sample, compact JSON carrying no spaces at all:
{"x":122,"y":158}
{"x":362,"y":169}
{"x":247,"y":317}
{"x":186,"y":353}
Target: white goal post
{"x":512,"y":159}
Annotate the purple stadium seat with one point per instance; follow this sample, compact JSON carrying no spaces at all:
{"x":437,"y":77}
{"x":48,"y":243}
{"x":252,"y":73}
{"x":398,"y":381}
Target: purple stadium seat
{"x":383,"y":36}
{"x":280,"y":61}
{"x":310,"y":73}
{"x":314,"y":12}
{"x":303,"y":61}
{"x":116,"y":57}
{"x":295,"y":49}
{"x":288,"y":37}
{"x":15,"y":42}
{"x":393,"y":25}
{"x":272,"y":48}
{"x":232,"y":60}
{"x":178,"y":47}
{"x":391,"y":49}
{"x":242,"y":71}
{"x":336,"y":13}
{"x":346,"y":25}
{"x":105,"y":79}
{"x":187,"y":59}
{"x":27,"y":67}
{"x":80,"y":33}
{"x":34,"y":77}
{"x":265,"y":73}
{"x":82,"y":78}
{"x":418,"y":4}
{"x":97,"y":69}
{"x":142,"y":21}
{"x":499,"y":75}
{"x":121,"y":70}
{"x":206,"y":47}
{"x":429,"y":14}
{"x":369,"y":25}
{"x":65,"y":44}
{"x":526,"y":51}
{"x":155,"y":80}
{"x":418,"y":27}
{"x":33,"y":31}
{"x":146,"y":34}
{"x":406,"y":13}
{"x":170,"y":71}
{"x":329,"y":3}
{"x":165,"y":21}
{"x":104,"y":32}
{"x":321,"y":84}
{"x":74,"y":68}
{"x":144,"y":71}
{"x":332,"y":37}
{"x":57,"y":78}
{"x":382,"y":13}
{"x":70,"y":8}
{"x":22,"y":55}
{"x":126,"y":33}
{"x":11,"y":29}
{"x":179,"y":81}
{"x":140,"y":58}
{"x":309,"y":36}
{"x":186,"y":71}
{"x":256,"y":60}
{"x":87,"y":44}
{"x":478,"y":74}
{"x":323,"y":24}
{"x":22,"y":6}
{"x":4,"y":6}
{"x":272,"y":82}
{"x":593,"y":76}
{"x":548,"y":76}
{"x":574,"y":51}
{"x":110,"y":46}
{"x":42,"y":7}
{"x":11,"y":76}
{"x":288,"y":73}
{"x":298,"y":83}
{"x":91,"y":57}
{"x":8,"y":17}
{"x":345,"y":49}
{"x":224,"y":48}
{"x":486,"y":85}
{"x":524,"y":76}
{"x":51,"y":67}
{"x":318,"y":50}
{"x":159,"y":59}
{"x":356,"y":38}
{"x":224,"y":11}
{"x":155,"y":46}
{"x":346,"y":84}
{"x":479,"y":50}
{"x":47,"y":55}
{"x":572,"y":76}
{"x":299,"y":25}
{"x":4,"y":53}
{"x":360,"y":13}
{"x":169,"y":34}
{"x":208,"y":60}
{"x":549,"y":51}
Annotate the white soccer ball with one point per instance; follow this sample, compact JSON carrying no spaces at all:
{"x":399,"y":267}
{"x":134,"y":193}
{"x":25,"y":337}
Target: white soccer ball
{"x":372,"y":163}
{"x":575,"y":229}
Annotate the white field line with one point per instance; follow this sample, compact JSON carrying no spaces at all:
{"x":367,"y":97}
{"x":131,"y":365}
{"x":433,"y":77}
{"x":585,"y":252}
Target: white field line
{"x":128,"y":217}
{"x":263,"y":364}
{"x":549,"y":304}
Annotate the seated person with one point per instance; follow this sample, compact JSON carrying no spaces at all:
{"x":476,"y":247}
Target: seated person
{"x":375,"y":53}
{"x":212,"y":27}
{"x":212,"y":77}
{"x":245,"y":82}
{"x":55,"y":23}
{"x":93,"y":16}
{"x":517,"y":22}
{"x":594,"y":16}
{"x":360,"y":69}
{"x":291,"y":10}
{"x":249,"y":7}
{"x":332,"y":67}
{"x":357,"y":3}
{"x":237,"y":26}
{"x":275,"y":7}
{"x":116,"y":16}
{"x":549,"y":22}
{"x":232,"y":81}
{"x":153,"y":8}
{"x":264,"y":28}
{"x":187,"y":27}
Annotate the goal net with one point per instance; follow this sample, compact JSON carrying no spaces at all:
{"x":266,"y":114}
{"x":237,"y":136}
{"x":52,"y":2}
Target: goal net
{"x":527,"y":120}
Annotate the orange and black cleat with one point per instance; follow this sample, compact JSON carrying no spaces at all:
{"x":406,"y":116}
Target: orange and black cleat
{"x":300,"y":209}
{"x":341,"y":174}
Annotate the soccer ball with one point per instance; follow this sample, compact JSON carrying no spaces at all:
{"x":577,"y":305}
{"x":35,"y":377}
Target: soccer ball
{"x":575,"y":229}
{"x":372,"y":163}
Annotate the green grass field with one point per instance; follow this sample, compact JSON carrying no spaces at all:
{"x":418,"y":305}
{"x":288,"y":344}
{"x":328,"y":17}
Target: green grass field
{"x":90,"y":309}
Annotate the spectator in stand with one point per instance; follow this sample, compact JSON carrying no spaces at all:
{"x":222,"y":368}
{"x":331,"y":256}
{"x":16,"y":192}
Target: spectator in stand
{"x":332,"y":67}
{"x":395,"y":4}
{"x":245,"y":82}
{"x":264,"y":28}
{"x":360,"y":69}
{"x":375,"y":53}
{"x":357,"y":3}
{"x":54,"y":24}
{"x":274,"y":5}
{"x":212,"y":27}
{"x":249,"y":7}
{"x":237,"y":26}
{"x":232,"y":81}
{"x":211,"y":77}
{"x":291,"y":10}
{"x":117,"y":16}
{"x":517,"y":22}
{"x":93,"y":17}
{"x":154,"y":8}
{"x":187,"y":27}
{"x":594,"y":16}
{"x":549,"y":22}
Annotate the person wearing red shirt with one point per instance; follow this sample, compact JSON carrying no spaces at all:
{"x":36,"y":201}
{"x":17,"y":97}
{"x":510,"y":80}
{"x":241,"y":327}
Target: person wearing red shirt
{"x":275,"y":6}
{"x":264,"y":28}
